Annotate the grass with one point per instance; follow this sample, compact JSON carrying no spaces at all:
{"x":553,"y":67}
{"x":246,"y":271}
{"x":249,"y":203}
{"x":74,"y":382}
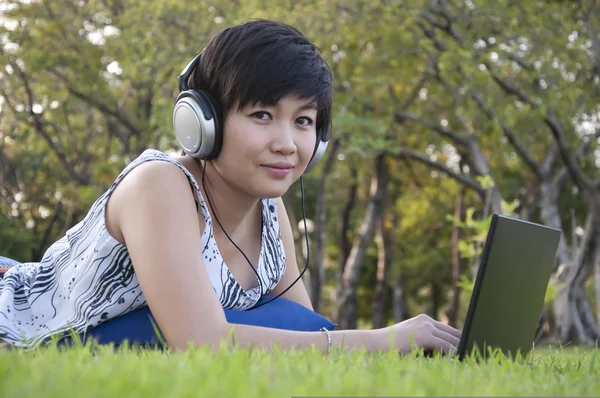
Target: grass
{"x":104,"y":371}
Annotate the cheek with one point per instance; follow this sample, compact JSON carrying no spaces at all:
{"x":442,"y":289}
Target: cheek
{"x":239,"y":153}
{"x":237,"y":142}
{"x":306,"y":147}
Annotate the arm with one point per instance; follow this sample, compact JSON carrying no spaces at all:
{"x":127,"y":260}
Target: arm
{"x":297,"y":292}
{"x":157,"y":216}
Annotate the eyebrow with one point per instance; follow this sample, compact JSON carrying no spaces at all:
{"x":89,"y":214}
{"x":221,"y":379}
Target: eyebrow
{"x":309,"y":106}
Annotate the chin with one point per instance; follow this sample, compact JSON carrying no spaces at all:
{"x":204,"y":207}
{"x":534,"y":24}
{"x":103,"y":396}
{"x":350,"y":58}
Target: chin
{"x":272,"y":189}
{"x":273,"y":192}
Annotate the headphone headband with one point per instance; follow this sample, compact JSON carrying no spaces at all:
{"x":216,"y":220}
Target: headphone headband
{"x":184,"y":76}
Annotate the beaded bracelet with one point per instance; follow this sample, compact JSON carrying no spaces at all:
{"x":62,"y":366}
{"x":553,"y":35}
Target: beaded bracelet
{"x":328,"y":339}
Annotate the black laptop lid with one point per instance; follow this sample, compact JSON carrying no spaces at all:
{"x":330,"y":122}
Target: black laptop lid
{"x":510,"y":287}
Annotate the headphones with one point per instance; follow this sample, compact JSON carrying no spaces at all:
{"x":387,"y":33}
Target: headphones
{"x":198,"y":122}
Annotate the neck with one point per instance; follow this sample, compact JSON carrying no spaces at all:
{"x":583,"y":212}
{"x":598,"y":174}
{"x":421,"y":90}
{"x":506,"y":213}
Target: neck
{"x":230,"y":207}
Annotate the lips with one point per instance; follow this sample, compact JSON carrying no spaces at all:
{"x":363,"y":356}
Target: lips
{"x":279,"y":165}
{"x":279,"y":169}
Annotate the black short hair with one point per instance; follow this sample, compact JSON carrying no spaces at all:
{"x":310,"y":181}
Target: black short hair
{"x":260,"y":62}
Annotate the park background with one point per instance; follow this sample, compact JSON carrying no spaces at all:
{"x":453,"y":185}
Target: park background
{"x":444,"y":113}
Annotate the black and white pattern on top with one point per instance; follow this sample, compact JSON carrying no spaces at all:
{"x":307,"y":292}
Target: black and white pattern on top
{"x":87,"y":277}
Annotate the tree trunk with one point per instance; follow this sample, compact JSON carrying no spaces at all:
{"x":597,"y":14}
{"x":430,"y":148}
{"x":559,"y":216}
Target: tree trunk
{"x":436,"y":300}
{"x":597,"y":287}
{"x":549,"y":206}
{"x":348,"y":306}
{"x":564,"y":308}
{"x":531,"y":202}
{"x":481,"y":167}
{"x":399,"y":300}
{"x":487,"y":207}
{"x":551,"y":217}
{"x":589,"y":333}
{"x":316,"y":267}
{"x":344,"y":240}
{"x":573,"y":315}
{"x":299,"y":238}
{"x":384,"y":252}
{"x":459,"y":213}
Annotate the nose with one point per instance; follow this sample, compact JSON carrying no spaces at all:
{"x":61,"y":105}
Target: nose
{"x":283,"y":141}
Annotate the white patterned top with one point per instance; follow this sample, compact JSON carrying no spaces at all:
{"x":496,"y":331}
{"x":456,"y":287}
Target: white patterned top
{"x":87,"y":276}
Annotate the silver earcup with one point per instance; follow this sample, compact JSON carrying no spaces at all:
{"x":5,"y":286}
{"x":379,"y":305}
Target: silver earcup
{"x":195,"y":133}
{"x":316,"y":156}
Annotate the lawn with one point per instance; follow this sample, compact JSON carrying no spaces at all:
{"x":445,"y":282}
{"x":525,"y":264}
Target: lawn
{"x":102,"y":371}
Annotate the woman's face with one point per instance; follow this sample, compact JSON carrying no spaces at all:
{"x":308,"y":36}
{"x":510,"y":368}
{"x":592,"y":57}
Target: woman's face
{"x":266,"y":149}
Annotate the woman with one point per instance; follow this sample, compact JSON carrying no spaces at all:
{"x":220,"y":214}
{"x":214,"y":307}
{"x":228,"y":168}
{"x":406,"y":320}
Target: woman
{"x":150,"y":240}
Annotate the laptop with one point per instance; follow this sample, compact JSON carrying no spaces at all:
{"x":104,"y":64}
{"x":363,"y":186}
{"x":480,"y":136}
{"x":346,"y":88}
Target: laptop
{"x":508,"y":296}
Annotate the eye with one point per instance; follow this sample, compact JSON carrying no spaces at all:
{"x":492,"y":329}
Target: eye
{"x":307,"y":121}
{"x":261,"y":115}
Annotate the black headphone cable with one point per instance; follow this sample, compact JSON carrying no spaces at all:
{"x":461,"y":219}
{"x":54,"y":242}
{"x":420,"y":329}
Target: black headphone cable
{"x":203,"y":166}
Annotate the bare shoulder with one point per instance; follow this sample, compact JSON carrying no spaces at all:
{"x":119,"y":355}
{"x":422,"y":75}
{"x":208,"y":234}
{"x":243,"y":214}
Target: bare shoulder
{"x":156,"y":214}
{"x":147,"y":184}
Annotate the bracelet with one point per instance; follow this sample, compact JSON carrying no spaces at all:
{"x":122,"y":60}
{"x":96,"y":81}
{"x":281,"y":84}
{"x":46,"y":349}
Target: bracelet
{"x":328,"y":339}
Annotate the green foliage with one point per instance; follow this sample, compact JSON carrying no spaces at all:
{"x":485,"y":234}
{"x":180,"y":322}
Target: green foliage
{"x":101,"y":77}
{"x":16,"y":243}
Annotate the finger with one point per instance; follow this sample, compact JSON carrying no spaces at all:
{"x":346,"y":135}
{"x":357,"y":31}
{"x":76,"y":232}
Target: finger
{"x":445,"y":336}
{"x":442,"y":345}
{"x":448,"y":329}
